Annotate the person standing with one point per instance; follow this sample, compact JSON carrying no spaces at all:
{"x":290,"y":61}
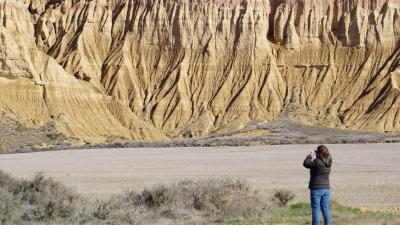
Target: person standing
{"x":319,"y":162}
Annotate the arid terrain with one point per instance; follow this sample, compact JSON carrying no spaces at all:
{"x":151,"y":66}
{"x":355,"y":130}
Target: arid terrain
{"x":104,"y":70}
{"x":15,"y":137}
{"x":362,"y":176}
{"x":197,"y":112}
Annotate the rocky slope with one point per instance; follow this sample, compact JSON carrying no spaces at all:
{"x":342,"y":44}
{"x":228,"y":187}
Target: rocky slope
{"x":154,"y":69}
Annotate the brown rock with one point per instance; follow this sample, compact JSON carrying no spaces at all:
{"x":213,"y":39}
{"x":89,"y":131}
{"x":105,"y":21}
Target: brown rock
{"x":168,"y":68}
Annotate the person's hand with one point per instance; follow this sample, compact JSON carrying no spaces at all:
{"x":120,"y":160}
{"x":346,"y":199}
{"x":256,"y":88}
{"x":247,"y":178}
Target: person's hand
{"x":313,"y":154}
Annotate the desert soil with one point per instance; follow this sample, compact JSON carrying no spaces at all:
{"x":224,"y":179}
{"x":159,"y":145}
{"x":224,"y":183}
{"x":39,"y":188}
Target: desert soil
{"x":363,"y":175}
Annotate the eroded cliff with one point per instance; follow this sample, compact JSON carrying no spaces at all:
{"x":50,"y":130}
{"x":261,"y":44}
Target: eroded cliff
{"x":153,"y":69}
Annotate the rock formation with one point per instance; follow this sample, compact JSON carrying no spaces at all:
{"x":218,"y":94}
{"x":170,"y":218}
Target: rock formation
{"x":154,"y":69}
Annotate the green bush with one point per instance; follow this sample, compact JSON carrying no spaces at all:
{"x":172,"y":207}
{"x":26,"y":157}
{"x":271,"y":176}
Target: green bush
{"x":53,"y":136}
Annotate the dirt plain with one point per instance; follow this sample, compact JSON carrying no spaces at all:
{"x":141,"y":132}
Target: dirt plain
{"x":363,"y":175}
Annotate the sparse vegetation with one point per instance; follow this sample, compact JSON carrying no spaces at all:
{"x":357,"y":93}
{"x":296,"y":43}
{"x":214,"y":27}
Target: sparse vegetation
{"x":283,"y":197}
{"x":299,"y":213}
{"x":38,"y":199}
{"x":53,"y":136}
{"x":43,"y":201}
{"x":16,"y":137}
{"x":228,"y":198}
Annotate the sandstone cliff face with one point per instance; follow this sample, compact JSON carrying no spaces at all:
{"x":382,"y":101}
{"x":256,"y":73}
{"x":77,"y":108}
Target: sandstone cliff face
{"x":152,"y":69}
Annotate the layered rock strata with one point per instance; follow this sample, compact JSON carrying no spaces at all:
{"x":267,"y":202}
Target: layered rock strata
{"x":153,"y":69}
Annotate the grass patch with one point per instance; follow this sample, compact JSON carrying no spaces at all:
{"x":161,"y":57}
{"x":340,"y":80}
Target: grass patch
{"x":53,"y":136}
{"x":300,"y":213}
{"x":169,"y":214}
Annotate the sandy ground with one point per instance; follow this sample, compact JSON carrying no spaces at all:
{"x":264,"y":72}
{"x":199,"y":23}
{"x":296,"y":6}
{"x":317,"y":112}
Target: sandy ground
{"x":362,"y":175}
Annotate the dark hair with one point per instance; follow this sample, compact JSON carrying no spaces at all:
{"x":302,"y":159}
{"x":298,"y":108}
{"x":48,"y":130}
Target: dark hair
{"x":323,"y":152}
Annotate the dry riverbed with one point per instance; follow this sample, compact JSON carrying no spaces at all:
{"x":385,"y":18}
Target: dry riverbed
{"x":363,"y":175}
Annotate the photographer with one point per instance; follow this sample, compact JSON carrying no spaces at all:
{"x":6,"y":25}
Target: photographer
{"x":319,"y":162}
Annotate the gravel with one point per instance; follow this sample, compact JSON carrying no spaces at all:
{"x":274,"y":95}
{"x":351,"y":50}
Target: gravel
{"x":363,"y":175}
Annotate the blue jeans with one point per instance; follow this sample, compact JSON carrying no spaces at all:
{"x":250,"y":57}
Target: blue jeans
{"x":320,"y":201}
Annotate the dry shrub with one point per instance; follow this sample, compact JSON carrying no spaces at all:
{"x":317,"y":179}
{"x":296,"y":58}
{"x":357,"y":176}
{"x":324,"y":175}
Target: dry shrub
{"x":7,"y":206}
{"x":35,"y":200}
{"x":282,"y":197}
{"x":6,"y":181}
{"x":229,"y":198}
{"x":44,"y":198}
{"x":102,"y":211}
